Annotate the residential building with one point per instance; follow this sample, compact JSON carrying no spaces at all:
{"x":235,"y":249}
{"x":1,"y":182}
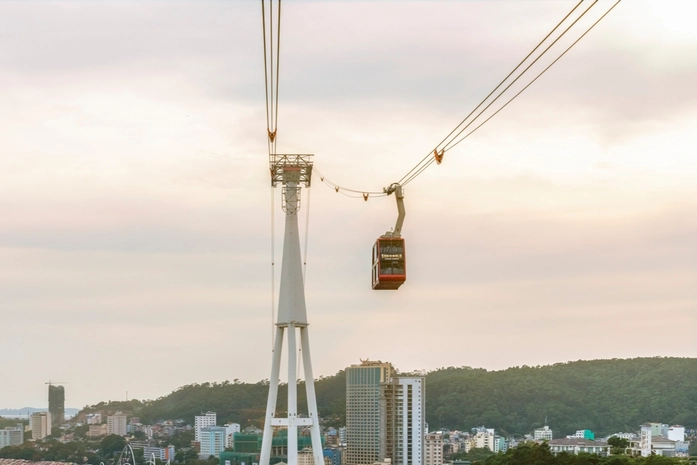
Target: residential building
{"x":501,"y":444}
{"x":384,"y":415}
{"x":676,"y":433}
{"x":117,"y":424}
{"x":643,"y":445}
{"x":481,"y":438}
{"x":651,"y":441}
{"x":230,"y":430}
{"x":212,"y":441}
{"x":93,"y":418}
{"x":409,"y":421}
{"x":96,"y":431}
{"x":170,"y":453}
{"x":203,"y":421}
{"x":331,"y":437}
{"x":543,"y":434}
{"x":12,"y":436}
{"x":56,"y":404}
{"x":662,"y":446}
{"x":433,"y":449}
{"x":40,"y":423}
{"x":306,"y":457}
{"x":149,"y":451}
{"x":585,"y":434}
{"x":578,"y":445}
{"x":333,"y":454}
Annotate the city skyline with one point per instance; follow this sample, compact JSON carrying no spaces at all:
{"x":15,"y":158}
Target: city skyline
{"x":136,"y":199}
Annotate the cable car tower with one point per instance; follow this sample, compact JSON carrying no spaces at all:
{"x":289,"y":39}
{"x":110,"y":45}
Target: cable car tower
{"x":292,"y":171}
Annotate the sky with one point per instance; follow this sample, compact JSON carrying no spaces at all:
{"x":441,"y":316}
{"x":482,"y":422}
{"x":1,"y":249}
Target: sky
{"x":136,"y":216}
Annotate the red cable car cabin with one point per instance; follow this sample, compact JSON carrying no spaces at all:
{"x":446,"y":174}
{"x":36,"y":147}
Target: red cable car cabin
{"x":389,"y":263}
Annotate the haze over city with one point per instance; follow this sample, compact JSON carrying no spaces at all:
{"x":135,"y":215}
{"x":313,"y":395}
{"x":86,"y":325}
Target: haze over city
{"x":136,"y":228}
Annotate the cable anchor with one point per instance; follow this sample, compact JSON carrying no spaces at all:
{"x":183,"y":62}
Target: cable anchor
{"x":272,"y":135}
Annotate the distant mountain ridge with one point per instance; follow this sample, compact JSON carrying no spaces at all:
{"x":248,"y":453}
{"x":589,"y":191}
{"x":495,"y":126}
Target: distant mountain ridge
{"x":605,"y":396}
{"x":29,"y":410}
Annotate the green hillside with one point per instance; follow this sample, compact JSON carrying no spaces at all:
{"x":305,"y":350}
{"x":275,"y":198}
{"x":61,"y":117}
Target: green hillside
{"x":602,"y":395}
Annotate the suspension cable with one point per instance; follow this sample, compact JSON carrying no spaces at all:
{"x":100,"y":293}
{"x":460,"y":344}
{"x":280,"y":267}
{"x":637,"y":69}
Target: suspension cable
{"x":447,"y":146}
{"x":307,"y":229}
{"x":273,"y":270}
{"x":271,"y":73}
{"x":540,"y":74}
{"x":452,"y":141}
{"x":495,"y":89}
{"x":343,"y":190}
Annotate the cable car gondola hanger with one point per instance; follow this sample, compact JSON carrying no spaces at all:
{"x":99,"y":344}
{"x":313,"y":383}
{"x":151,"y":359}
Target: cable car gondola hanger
{"x":389,"y":254}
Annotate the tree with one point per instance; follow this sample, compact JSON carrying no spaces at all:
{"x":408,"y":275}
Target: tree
{"x":618,"y":445}
{"x":692,"y":450}
{"x":111,"y":444}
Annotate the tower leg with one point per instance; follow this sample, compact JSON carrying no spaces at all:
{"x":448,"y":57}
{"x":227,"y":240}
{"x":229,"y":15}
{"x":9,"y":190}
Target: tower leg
{"x":273,"y":394}
{"x":311,"y":397}
{"x":292,"y":396}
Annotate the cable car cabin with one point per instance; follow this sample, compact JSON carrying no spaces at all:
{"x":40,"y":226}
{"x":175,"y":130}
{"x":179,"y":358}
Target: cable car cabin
{"x":389,"y":263}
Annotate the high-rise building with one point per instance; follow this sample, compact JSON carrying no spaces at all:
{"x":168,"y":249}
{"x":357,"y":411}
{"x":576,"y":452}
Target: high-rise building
{"x":384,"y":415}
{"x":56,"y":404}
{"x":12,"y":436}
{"x":409,"y":421}
{"x":433,"y":449}
{"x":116,"y":424}
{"x":40,"y":425}
{"x":212,"y":441}
{"x":203,"y":421}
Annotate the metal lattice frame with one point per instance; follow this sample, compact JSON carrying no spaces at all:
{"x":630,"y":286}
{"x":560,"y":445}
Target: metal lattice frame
{"x":291,"y":168}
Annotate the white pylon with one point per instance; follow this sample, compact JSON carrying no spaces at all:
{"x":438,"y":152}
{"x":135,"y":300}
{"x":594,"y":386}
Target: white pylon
{"x":291,"y":170}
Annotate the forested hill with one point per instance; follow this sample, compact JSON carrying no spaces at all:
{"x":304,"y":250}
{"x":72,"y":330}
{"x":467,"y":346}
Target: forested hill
{"x":605,"y":396}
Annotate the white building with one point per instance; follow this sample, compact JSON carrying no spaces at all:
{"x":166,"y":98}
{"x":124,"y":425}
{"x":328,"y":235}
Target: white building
{"x":117,"y":424}
{"x":676,"y":433}
{"x":410,"y":422}
{"x":93,"y":418}
{"x":650,"y":442}
{"x":158,"y":452}
{"x":212,"y":441}
{"x":543,"y":434}
{"x":231,"y":429}
{"x":576,"y":445}
{"x":40,"y":425}
{"x":433,"y":449}
{"x":203,"y":421}
{"x":644,"y":443}
{"x":11,"y":436}
{"x":483,"y":438}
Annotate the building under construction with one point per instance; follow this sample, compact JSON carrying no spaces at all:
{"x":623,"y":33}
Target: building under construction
{"x":56,"y":404}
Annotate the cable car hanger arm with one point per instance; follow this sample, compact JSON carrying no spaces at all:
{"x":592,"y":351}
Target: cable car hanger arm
{"x":399,"y":195}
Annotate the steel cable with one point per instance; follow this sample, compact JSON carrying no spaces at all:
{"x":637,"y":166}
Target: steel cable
{"x":494,"y":90}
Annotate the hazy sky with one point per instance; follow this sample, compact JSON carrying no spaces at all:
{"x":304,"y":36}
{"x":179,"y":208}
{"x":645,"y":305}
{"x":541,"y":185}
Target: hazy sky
{"x":135,"y":207}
